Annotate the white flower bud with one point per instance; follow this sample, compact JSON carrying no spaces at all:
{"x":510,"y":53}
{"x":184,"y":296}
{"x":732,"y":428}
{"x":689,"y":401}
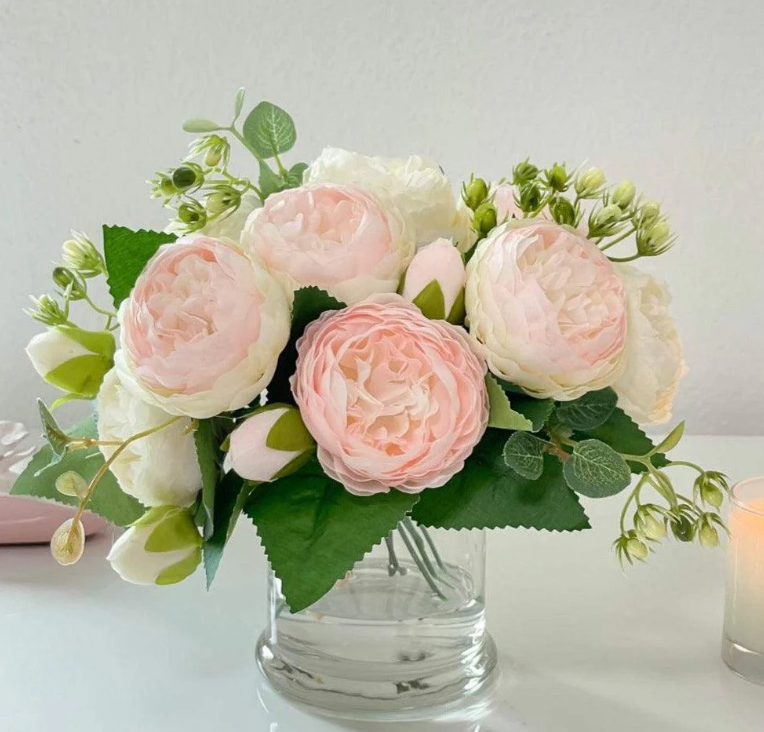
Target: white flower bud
{"x":624,"y":193}
{"x":80,"y":254}
{"x":162,"y":548}
{"x":589,"y":182}
{"x":72,"y":359}
{"x":269,"y":444}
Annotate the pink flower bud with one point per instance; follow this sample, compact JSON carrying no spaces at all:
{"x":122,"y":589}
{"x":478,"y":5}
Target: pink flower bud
{"x":440,"y":262}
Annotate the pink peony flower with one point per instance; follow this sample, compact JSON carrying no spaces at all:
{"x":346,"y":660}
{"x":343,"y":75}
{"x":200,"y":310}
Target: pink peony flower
{"x":393,"y":400}
{"x":202,"y":329}
{"x":548,"y":309}
{"x":440,"y":262}
{"x":339,"y":238}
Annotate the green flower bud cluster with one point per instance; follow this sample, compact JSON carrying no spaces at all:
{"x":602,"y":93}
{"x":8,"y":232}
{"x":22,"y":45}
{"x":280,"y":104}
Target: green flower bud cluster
{"x":474,"y":193}
{"x":47,"y":311}
{"x":80,"y":255}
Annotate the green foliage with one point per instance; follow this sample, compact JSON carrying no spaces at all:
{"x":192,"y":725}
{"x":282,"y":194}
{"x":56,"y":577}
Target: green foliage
{"x":596,"y":470}
{"x":671,"y":440}
{"x":537,"y":411}
{"x":589,"y":411}
{"x":108,"y":500}
{"x":502,"y":416}
{"x":488,"y":494}
{"x":269,"y":130}
{"x":56,"y":437}
{"x":208,"y":456}
{"x":295,"y":175}
{"x":314,"y":531}
{"x":289,"y":433}
{"x":269,"y":182}
{"x":198,"y":125}
{"x":126,"y":253}
{"x":309,"y":303}
{"x":524,"y":453}
{"x":431,"y":302}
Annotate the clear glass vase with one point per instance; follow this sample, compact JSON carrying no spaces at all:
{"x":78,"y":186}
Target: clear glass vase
{"x":402,"y":636}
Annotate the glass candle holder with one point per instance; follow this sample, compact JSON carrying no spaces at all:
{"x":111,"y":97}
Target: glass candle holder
{"x":743,"y":642}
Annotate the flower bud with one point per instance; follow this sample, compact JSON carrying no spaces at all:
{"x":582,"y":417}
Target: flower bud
{"x":80,"y":255}
{"x":68,"y":284}
{"x":530,"y":198}
{"x":637,"y":549}
{"x":563,"y":211}
{"x":557,"y":178}
{"x":162,"y":547}
{"x":623,"y":194}
{"x":435,"y":280}
{"x":73,"y":359}
{"x":162,"y":187}
{"x":475,"y":192}
{"x":269,"y":444}
{"x":648,"y":524}
{"x":72,"y":484}
{"x":192,"y":215}
{"x":590,"y":182}
{"x":606,"y":216}
{"x":649,"y":212}
{"x":655,"y":240}
{"x":68,"y":542}
{"x":523,"y":173}
{"x":708,"y":536}
{"x":485,"y":218}
{"x":212,"y":157}
{"x":47,"y":311}
{"x":187,"y":176}
{"x":223,"y":199}
{"x":682,"y":528}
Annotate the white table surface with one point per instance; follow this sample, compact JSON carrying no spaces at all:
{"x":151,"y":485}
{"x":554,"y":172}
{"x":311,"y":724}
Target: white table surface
{"x":583,"y":647}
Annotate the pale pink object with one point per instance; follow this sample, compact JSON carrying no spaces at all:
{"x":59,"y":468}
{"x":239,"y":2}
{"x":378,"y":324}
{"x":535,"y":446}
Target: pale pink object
{"x":548,"y":309}
{"x":503,"y":197}
{"x":202,"y":329}
{"x":339,"y":238}
{"x":440,"y":261}
{"x":30,"y":521}
{"x":394,"y":400}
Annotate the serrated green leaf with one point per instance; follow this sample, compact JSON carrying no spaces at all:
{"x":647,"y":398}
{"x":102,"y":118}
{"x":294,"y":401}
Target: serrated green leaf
{"x":207,"y":455}
{"x":269,"y":130}
{"x":56,"y":437}
{"x":198,"y":125}
{"x":589,"y":411}
{"x":268,"y":182}
{"x":126,"y":253}
{"x":488,"y":494}
{"x":671,"y":440}
{"x":596,"y":470}
{"x":431,"y":302}
{"x":624,"y":435}
{"x":501,"y":414}
{"x":108,"y":500}
{"x":535,"y":410}
{"x":309,"y":303}
{"x":231,"y":495}
{"x":524,"y":453}
{"x":314,"y":531}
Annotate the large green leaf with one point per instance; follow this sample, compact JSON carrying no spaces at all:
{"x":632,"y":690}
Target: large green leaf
{"x":108,"y":500}
{"x":208,"y":457}
{"x":126,"y":253}
{"x":488,"y":494}
{"x":269,"y":130}
{"x":624,"y":435}
{"x":309,"y":303}
{"x":596,"y":470}
{"x":589,"y":411}
{"x":314,"y":531}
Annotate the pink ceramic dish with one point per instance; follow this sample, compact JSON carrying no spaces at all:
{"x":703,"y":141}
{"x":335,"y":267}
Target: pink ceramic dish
{"x":32,"y":521}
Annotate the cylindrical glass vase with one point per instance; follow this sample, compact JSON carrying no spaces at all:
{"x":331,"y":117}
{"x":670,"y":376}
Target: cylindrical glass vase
{"x":403,"y":633}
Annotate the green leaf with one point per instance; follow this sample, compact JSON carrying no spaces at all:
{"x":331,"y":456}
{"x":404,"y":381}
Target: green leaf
{"x":238,"y":104}
{"x":269,"y":130}
{"x":108,"y":500}
{"x":56,"y":437}
{"x":672,"y":439}
{"x":207,"y":454}
{"x":268,"y":182}
{"x":431,"y":302}
{"x":295,"y":175}
{"x":524,"y":453}
{"x":231,"y":495}
{"x":488,"y":494}
{"x":458,"y":312}
{"x":535,"y":410}
{"x":171,"y":534}
{"x":596,"y":470}
{"x":624,"y":435}
{"x":501,"y":414}
{"x":589,"y":411}
{"x":201,"y":125}
{"x":289,"y":433}
{"x":126,"y":253}
{"x":314,"y":531}
{"x":309,"y":303}
{"x":180,"y":570}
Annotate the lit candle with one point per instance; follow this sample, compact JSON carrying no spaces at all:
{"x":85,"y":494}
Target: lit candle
{"x":743,"y":645}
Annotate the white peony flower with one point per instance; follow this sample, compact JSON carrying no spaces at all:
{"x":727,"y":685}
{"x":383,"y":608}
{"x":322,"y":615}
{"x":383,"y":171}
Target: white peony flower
{"x":654,"y":358}
{"x":159,"y":469}
{"x":416,"y":185}
{"x":163,"y":547}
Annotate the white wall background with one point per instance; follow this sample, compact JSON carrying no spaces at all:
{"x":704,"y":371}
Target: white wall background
{"x":669,"y":93}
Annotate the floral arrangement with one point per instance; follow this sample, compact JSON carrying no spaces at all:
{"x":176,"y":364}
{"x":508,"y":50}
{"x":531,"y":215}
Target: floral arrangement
{"x":348,"y":344}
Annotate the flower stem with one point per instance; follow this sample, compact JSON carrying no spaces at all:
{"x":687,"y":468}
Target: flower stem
{"x":618,"y":239}
{"x":420,"y":565}
{"x":393,"y":565}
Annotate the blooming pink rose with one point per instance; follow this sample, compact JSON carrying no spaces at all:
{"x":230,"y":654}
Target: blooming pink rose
{"x":548,"y":309}
{"x":440,"y":262}
{"x":202,"y":329}
{"x":339,"y":238}
{"x":394,"y":400}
